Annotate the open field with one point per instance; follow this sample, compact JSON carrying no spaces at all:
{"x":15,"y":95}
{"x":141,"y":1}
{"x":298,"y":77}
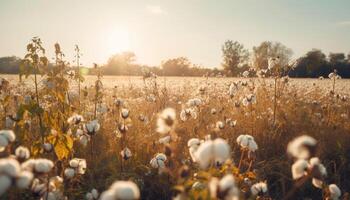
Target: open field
{"x":155,"y":133}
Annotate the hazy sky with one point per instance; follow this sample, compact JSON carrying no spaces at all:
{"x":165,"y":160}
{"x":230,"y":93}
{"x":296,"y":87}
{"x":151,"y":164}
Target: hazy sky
{"x":159,"y":29}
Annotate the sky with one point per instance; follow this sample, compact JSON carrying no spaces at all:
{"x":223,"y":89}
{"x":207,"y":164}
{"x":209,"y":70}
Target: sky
{"x":157,"y":30}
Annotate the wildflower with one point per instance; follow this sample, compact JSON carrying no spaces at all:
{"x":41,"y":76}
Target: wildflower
{"x":158,"y":161}
{"x":22,"y":153}
{"x":334,"y":191}
{"x":75,"y":119}
{"x":217,"y":151}
{"x":258,"y":189}
{"x":247,"y":142}
{"x":224,"y":189}
{"x":126,"y":153}
{"x":166,"y":121}
{"x":193,"y":145}
{"x":92,"y":127}
{"x":6,"y":136}
{"x":125,"y":190}
{"x":302,"y":147}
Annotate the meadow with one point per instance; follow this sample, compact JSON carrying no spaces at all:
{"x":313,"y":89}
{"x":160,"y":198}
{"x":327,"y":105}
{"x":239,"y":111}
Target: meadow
{"x":174,"y":137}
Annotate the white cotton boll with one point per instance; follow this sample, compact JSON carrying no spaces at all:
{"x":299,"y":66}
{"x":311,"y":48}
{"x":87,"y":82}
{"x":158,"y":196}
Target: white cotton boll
{"x":24,"y":179}
{"x":221,"y":150}
{"x":335,"y":192}
{"x":192,"y":151}
{"x":193,"y":142}
{"x":38,"y":187}
{"x":47,"y":147}
{"x":126,"y":153}
{"x":9,"y":134}
{"x":161,"y":156}
{"x":75,"y":119}
{"x":69,"y":173}
{"x":74,"y":163}
{"x":204,"y":153}
{"x":83,"y":140}
{"x":108,"y":195}
{"x":43,"y":165}
{"x":125,"y":113}
{"x":299,"y":147}
{"x":28,"y":165}
{"x":164,"y":140}
{"x":126,"y":190}
{"x":227,"y":182}
{"x":166,"y":121}
{"x":89,"y":196}
{"x":93,"y":126}
{"x":258,"y":188}
{"x":94,"y":193}
{"x":22,"y":153}
{"x":299,"y":168}
{"x":248,"y":142}
{"x":213,"y":187}
{"x":82,"y":166}
{"x":5,"y":183}
{"x":154,"y":163}
{"x":315,"y":162}
{"x":317,"y":183}
{"x":9,"y":167}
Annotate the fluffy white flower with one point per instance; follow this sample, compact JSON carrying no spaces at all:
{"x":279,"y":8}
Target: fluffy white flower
{"x":158,"y":161}
{"x":301,"y":147}
{"x":299,"y":168}
{"x":247,"y":142}
{"x":124,"y":113}
{"x":22,"y":153}
{"x":69,"y":173}
{"x":9,"y":167}
{"x":194,"y":102}
{"x":24,"y":179}
{"x":258,"y":188}
{"x":78,"y":164}
{"x":125,"y":190}
{"x":92,"y":127}
{"x":75,"y":119}
{"x":217,"y":151}
{"x":334,"y":191}
{"x":126,"y":153}
{"x":166,"y":121}
{"x":225,"y":186}
{"x":164,"y":140}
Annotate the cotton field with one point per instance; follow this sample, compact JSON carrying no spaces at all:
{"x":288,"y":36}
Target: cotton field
{"x":68,"y":136}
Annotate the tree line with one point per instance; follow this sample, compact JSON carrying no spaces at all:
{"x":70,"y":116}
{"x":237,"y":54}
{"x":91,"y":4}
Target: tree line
{"x":235,"y":60}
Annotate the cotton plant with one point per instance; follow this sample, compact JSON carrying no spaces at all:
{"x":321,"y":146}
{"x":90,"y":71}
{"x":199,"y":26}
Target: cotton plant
{"x":92,"y":195}
{"x":77,"y":166}
{"x":126,"y":190}
{"x":306,"y":166}
{"x":6,"y":137}
{"x":158,"y":162}
{"x":248,"y":146}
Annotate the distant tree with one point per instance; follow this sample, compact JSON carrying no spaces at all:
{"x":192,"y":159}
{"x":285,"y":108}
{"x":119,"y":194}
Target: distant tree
{"x":235,"y":57}
{"x":9,"y":65}
{"x":338,"y":61}
{"x":121,"y":64}
{"x":267,"y":50}
{"x":176,"y":67}
{"x":313,"y":64}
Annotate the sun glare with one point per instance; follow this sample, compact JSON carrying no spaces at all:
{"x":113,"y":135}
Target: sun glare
{"x":118,"y":41}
